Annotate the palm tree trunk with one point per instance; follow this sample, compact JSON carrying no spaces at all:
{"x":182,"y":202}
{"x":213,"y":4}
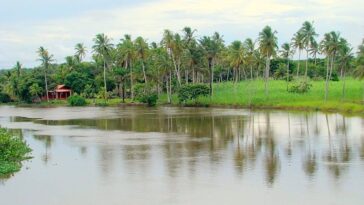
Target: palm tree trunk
{"x":131,"y":82}
{"x":251,"y":71}
{"x":46,"y":83}
{"x":287,"y":73}
{"x":176,"y":69}
{"x":211,"y":76}
{"x":266,"y":76}
{"x":327,"y":78}
{"x":299,"y":59}
{"x":344,"y":84}
{"x":105,"y":88}
{"x":144,"y":74}
{"x":167,"y":87}
{"x":170,"y":86}
{"x":306,"y":65}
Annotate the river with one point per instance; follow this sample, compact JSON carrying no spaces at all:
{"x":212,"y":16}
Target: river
{"x":170,"y":155}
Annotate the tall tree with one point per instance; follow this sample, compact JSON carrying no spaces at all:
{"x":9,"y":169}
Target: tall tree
{"x":141,"y":47}
{"x":250,"y":58}
{"x":267,"y":46}
{"x":210,"y":47}
{"x":345,"y":57}
{"x":286,"y":53}
{"x":45,"y":58}
{"x":80,"y":51}
{"x":359,"y":70}
{"x":126,"y":49}
{"x":329,"y":46}
{"x":103,"y":48}
{"x":309,"y":34}
{"x":298,"y":43}
{"x":236,"y":57}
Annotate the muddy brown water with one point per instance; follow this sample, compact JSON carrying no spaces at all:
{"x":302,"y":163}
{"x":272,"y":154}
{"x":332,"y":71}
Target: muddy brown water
{"x":166,"y":155}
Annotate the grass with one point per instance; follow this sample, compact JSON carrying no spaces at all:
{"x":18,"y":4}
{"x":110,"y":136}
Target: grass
{"x":13,"y":150}
{"x":252,"y":94}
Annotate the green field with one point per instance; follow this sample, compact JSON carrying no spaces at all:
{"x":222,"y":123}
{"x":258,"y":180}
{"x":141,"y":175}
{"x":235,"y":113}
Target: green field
{"x":251,"y":94}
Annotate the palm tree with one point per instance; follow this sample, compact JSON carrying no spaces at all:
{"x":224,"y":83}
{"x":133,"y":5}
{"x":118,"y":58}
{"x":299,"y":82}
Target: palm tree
{"x":18,"y":68}
{"x":103,"y":47}
{"x":329,"y":46}
{"x":298,"y":43}
{"x":46,"y":60}
{"x":210,"y":48}
{"x":267,"y":46}
{"x":236,"y":57}
{"x":190,"y":47}
{"x":286,"y":53}
{"x":126,"y":49}
{"x":345,"y":57}
{"x":359,"y":71}
{"x":309,"y":34}
{"x":250,"y":58}
{"x":173,"y":44}
{"x":80,"y":51}
{"x":314,"y":50}
{"x":141,"y":47}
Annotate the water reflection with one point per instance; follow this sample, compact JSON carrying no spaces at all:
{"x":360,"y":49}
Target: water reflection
{"x":191,"y":144}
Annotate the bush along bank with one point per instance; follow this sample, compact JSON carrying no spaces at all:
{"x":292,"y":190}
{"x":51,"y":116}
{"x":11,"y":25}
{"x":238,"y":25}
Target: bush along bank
{"x":13,"y":150}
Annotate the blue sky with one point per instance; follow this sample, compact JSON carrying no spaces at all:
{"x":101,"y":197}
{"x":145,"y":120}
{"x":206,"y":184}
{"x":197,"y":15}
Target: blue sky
{"x":59,"y":24}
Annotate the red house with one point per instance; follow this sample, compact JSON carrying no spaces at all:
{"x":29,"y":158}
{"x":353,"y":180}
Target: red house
{"x":61,"y":92}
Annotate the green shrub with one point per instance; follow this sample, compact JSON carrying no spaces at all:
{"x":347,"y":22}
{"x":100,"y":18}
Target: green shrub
{"x":150,"y":99}
{"x":144,"y":94}
{"x":12,"y":151}
{"x":192,"y":92}
{"x":4,"y":98}
{"x":300,"y":87}
{"x":76,"y":100}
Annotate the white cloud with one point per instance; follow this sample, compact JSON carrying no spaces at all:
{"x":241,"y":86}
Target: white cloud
{"x":235,"y":19}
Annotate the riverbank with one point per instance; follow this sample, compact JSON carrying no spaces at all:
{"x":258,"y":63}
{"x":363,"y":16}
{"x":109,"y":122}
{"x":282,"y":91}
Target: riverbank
{"x":248,"y":94}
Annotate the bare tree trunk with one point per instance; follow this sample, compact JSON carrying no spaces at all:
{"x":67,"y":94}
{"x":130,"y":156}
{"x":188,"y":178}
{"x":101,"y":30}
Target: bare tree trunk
{"x":46,"y":83}
{"x":287,"y":73}
{"x":144,"y":74}
{"x":211,"y":75}
{"x":105,"y":88}
{"x":193,"y":75}
{"x":266,"y":76}
{"x":327,"y":78}
{"x":306,"y":65}
{"x":131,"y":82}
{"x":167,"y":87}
{"x":299,"y":59}
{"x":251,"y":71}
{"x":176,"y":69}
{"x":344,"y":83}
{"x":170,"y":86}
{"x":186,"y":76}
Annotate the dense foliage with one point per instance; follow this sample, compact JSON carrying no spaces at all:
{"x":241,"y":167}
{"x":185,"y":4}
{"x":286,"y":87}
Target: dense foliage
{"x":76,"y":100}
{"x":192,"y":92}
{"x":117,"y":68}
{"x":12,"y":151}
{"x":4,"y":98}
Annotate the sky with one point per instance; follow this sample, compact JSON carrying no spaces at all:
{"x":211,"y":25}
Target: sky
{"x":58,"y":25}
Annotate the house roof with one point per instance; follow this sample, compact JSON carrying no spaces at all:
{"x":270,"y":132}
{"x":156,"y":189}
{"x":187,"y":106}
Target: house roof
{"x":62,"y":88}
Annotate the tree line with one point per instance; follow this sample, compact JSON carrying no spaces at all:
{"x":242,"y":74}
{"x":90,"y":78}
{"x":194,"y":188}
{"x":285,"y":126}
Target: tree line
{"x":180,"y":58}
